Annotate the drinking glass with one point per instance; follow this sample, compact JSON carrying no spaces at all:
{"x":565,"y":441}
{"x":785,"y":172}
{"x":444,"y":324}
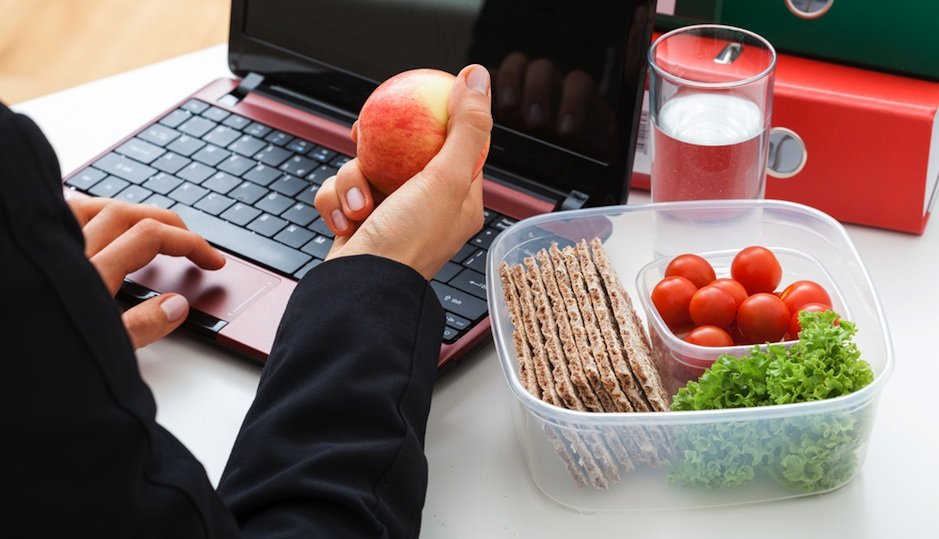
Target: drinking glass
{"x":711,"y":99}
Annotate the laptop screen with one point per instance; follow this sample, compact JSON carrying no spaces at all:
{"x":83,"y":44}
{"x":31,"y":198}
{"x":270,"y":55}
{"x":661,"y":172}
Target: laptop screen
{"x":567,"y":74}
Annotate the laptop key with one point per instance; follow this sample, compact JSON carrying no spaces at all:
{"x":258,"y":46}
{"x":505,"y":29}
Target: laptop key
{"x":318,"y":247}
{"x":159,"y":135}
{"x":463,"y":253}
{"x":188,"y":193}
{"x":484,"y":238}
{"x":195,"y":172}
{"x":300,"y":214}
{"x":214,"y":203}
{"x":470,"y":281}
{"x":134,"y":194}
{"x":449,"y":334}
{"x":215,"y":114}
{"x":262,"y":250}
{"x":476,"y":261}
{"x":140,"y":150}
{"x":272,"y":155}
{"x":247,"y":192}
{"x":308,"y":195}
{"x":195,"y":106}
{"x":447,"y":272}
{"x":171,"y":163}
{"x":236,"y":122}
{"x":221,"y":182}
{"x":85,"y":179}
{"x":267,"y":225}
{"x":240,"y":214}
{"x":162,"y":183}
{"x":321,"y":174}
{"x":320,"y":227}
{"x":322,"y":155}
{"x":108,"y":187}
{"x":257,"y":130}
{"x":175,"y":118}
{"x":457,"y":322}
{"x":262,"y":174}
{"x":247,"y":145}
{"x":459,"y":302}
{"x":197,"y":126}
{"x":288,"y":185}
{"x":274,"y":203}
{"x":125,"y":168}
{"x":300,"y":146}
{"x":294,"y":236}
{"x":299,"y":166}
{"x":185,"y":145}
{"x":278,"y":138}
{"x":222,"y":136}
{"x":211,"y":155}
{"x":339,"y":160}
{"x":159,"y":201}
{"x":237,"y":165}
{"x":305,"y":269}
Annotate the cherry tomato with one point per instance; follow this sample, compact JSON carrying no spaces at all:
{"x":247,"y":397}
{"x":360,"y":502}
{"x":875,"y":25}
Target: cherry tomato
{"x":708,"y":335}
{"x":801,"y":293}
{"x":763,"y":318}
{"x":732,"y":287}
{"x":671,"y":297}
{"x":712,"y":306}
{"x":795,"y":327}
{"x":757,"y":269}
{"x":692,"y":267}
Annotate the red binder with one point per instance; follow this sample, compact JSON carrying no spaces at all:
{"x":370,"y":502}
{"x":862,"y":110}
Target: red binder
{"x":871,"y":143}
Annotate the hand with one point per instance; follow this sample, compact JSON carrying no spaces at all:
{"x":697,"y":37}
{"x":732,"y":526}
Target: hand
{"x":429,"y":218}
{"x":121,"y":238}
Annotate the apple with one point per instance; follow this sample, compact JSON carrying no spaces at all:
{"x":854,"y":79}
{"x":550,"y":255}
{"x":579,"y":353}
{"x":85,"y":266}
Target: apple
{"x":402,"y":125}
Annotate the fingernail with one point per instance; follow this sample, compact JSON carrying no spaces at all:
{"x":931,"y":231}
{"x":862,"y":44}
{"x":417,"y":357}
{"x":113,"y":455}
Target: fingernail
{"x":567,"y":124}
{"x":339,"y":220}
{"x":478,"y":80}
{"x":507,"y":97}
{"x":535,"y":114}
{"x":355,"y":199}
{"x":175,"y":307}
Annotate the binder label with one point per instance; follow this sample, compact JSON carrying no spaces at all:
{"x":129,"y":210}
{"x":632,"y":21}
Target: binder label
{"x":665,"y":7}
{"x":932,"y":167}
{"x":642,"y":161}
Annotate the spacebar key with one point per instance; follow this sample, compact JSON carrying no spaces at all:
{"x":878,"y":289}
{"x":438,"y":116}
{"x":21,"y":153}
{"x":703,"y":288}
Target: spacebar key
{"x":238,"y":240}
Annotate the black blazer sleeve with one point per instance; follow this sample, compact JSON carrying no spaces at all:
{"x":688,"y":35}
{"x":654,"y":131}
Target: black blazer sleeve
{"x":332,"y":447}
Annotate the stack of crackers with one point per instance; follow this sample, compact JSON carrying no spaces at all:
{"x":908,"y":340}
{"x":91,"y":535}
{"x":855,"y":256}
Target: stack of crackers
{"x":581,"y":346}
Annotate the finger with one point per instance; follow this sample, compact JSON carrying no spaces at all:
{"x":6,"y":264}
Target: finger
{"x":84,"y":208}
{"x":509,"y":77}
{"x":329,"y":206}
{"x":541,"y":79}
{"x":576,"y":93}
{"x":464,"y":150}
{"x":116,"y":217}
{"x":155,"y":318}
{"x":136,"y":247}
{"x":354,"y":192}
{"x":354,"y":132}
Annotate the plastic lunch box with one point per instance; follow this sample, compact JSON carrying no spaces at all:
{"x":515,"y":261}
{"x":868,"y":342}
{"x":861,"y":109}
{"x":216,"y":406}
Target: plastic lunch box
{"x":709,"y":458}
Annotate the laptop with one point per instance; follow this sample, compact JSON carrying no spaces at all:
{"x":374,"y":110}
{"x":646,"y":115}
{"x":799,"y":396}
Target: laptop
{"x":241,"y":159}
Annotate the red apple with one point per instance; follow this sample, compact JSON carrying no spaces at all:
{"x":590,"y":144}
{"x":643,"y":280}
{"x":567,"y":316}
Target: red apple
{"x":402,"y":125}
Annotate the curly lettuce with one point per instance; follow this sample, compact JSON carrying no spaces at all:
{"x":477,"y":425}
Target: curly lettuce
{"x":806,"y":453}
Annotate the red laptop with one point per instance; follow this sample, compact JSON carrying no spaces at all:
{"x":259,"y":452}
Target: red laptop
{"x":241,"y":159}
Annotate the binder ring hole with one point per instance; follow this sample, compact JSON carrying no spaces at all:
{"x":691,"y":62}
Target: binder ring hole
{"x":787,"y":153}
{"x":809,"y":9}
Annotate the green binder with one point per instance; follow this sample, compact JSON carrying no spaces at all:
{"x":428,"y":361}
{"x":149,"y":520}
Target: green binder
{"x":899,"y":36}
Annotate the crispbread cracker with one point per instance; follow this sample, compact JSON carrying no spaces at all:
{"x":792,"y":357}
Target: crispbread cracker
{"x":526,"y":371}
{"x":632,"y":332}
{"x":560,"y":373}
{"x":598,"y":299}
{"x":565,"y":334}
{"x":570,"y":462}
{"x":534,"y":338}
{"x":597,"y":345}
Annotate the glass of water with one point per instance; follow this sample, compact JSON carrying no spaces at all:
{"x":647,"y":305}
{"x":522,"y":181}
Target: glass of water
{"x":711,"y":99}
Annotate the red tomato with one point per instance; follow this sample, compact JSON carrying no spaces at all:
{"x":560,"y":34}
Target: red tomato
{"x":757,"y":269}
{"x":708,"y":335}
{"x":712,"y":306}
{"x":801,"y":293}
{"x":795,"y":328}
{"x":671,"y":297}
{"x":732,"y":287}
{"x":692,"y":267}
{"x":763,"y":318}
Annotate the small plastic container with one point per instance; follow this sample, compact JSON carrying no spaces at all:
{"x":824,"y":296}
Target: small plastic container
{"x":701,"y":458}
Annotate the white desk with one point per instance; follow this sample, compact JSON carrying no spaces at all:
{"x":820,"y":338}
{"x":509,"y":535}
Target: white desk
{"x":479,"y":486}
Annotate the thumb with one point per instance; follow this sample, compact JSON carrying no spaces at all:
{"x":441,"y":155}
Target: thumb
{"x":151,"y":320}
{"x":464,"y":151}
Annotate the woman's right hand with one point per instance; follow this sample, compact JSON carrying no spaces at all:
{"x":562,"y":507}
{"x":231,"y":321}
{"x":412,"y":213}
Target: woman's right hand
{"x":429,"y":218}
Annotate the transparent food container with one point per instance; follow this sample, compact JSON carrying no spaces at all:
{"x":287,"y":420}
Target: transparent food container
{"x":670,"y":460}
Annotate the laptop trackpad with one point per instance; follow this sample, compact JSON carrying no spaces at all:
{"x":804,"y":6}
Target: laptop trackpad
{"x":223,"y":293}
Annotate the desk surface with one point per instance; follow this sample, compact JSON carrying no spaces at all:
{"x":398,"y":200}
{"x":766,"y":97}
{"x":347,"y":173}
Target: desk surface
{"x":479,"y":485}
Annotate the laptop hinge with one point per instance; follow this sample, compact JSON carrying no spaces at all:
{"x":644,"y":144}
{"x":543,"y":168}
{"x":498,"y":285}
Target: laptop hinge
{"x":573,"y":201}
{"x":251,"y":82}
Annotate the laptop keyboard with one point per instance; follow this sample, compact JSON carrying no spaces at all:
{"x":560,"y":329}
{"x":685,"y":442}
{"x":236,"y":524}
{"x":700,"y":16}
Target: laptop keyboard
{"x":249,"y":189}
